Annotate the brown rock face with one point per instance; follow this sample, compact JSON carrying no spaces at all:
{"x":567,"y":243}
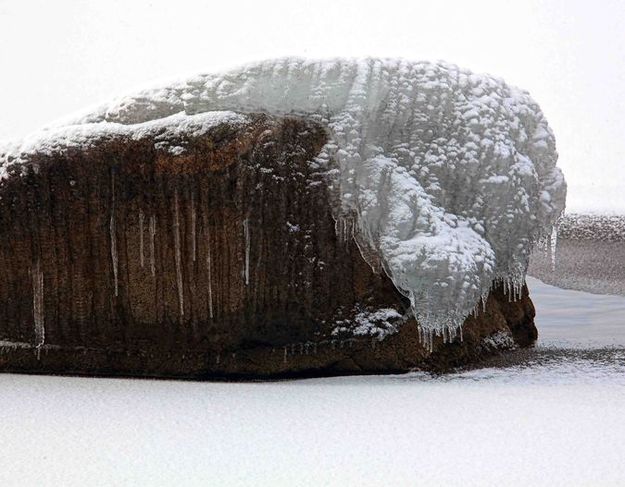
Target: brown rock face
{"x":212,"y":254}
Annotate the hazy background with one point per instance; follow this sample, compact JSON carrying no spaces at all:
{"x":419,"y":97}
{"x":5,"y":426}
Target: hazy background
{"x":59,"y":56}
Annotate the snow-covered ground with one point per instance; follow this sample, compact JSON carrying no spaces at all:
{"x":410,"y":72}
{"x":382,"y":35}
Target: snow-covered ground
{"x":575,"y":319}
{"x":553,"y":421}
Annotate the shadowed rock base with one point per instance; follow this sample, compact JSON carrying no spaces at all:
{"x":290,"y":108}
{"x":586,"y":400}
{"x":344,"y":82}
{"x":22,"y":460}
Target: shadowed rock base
{"x":213,"y":254}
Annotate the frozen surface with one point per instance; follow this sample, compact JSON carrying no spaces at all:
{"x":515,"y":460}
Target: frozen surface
{"x":557,"y":421}
{"x":577,"y":319}
{"x":449,"y":176}
{"x":545,"y":426}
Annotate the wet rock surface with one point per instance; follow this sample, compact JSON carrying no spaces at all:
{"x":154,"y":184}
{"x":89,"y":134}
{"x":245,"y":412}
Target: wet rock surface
{"x":213,"y":254}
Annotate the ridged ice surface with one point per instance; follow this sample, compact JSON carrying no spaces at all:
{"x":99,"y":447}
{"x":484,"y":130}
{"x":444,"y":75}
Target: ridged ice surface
{"x":449,"y":176}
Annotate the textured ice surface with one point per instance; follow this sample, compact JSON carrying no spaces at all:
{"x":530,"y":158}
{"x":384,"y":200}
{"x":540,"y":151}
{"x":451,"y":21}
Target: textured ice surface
{"x":449,"y":176}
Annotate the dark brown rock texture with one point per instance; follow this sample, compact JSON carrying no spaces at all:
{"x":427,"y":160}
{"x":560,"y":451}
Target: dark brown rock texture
{"x":214,"y":254}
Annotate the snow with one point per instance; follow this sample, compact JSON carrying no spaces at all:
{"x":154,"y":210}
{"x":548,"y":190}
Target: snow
{"x":502,"y":340}
{"x":552,"y":422}
{"x":448,"y":176}
{"x":377,"y":324}
{"x":61,"y":139}
{"x":466,"y":431}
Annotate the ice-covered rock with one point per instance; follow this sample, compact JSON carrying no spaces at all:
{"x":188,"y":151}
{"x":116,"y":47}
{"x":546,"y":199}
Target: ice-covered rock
{"x":202,"y":246}
{"x":450,"y":177}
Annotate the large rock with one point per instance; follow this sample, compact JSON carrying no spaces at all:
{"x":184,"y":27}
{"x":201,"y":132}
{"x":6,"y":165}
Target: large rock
{"x":202,"y":249}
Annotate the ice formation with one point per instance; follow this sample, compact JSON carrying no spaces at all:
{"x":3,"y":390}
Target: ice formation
{"x":141,"y":252}
{"x":449,"y":177}
{"x":208,"y":269}
{"x":246,"y":235}
{"x":178,"y":255}
{"x":38,"y":306}
{"x":113,"y":236}
{"x":152,"y":236}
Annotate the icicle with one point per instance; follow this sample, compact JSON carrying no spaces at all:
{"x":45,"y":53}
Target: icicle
{"x":553,"y":245}
{"x":141,"y":258}
{"x":152,"y":235}
{"x":286,"y":353}
{"x":113,"y":234}
{"x":344,"y":229}
{"x":208,"y":268}
{"x":246,"y":232}
{"x":193,"y":224}
{"x":178,"y":256}
{"x":38,"y":306}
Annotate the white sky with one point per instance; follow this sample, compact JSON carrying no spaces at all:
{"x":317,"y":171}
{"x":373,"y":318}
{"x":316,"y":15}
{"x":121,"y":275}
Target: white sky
{"x":59,"y":56}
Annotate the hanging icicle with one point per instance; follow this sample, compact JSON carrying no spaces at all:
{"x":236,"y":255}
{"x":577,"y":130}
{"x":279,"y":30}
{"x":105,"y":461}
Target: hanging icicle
{"x":193,"y":224}
{"x":208,"y":268}
{"x":178,"y":255}
{"x":38,"y":305}
{"x":553,"y":245}
{"x":152,"y":235}
{"x":141,"y":258}
{"x":246,"y":233}
{"x":113,"y":235}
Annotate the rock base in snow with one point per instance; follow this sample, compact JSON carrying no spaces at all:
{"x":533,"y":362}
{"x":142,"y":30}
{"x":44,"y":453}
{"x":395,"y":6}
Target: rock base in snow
{"x":210,"y":254}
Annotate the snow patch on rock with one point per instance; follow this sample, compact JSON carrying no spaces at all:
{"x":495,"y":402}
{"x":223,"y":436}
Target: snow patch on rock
{"x":502,"y":340}
{"x":377,"y":324}
{"x":167,"y":132}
